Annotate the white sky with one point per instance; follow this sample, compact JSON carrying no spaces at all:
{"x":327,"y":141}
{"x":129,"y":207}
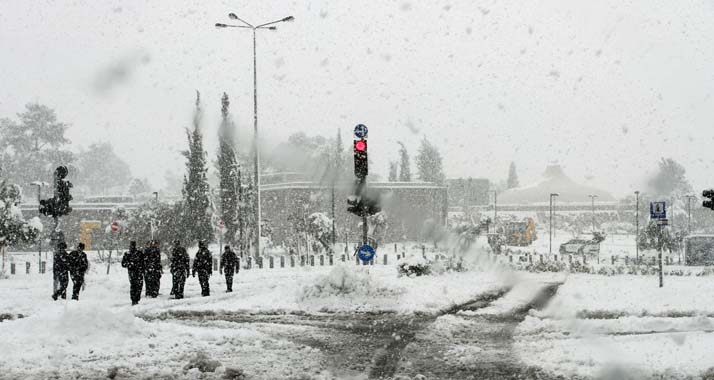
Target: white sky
{"x":603,"y":87}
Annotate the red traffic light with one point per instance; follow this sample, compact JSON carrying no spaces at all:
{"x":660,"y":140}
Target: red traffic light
{"x":360,"y":145}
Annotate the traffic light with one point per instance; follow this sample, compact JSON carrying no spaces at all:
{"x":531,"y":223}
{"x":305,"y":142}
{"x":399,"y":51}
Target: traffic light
{"x":368,"y":203}
{"x":360,"y":157}
{"x":708,"y":194}
{"x":58,"y":205}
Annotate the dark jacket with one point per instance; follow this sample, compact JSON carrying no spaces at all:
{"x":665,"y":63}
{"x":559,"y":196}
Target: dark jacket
{"x":78,"y":263}
{"x":203,"y":262}
{"x":152,"y":255}
{"x":179,"y":261}
{"x":229,"y":260}
{"x":134,"y":261}
{"x":60,"y":264}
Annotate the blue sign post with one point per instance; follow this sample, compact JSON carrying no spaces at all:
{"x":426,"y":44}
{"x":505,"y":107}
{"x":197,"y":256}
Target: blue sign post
{"x":658,"y":210}
{"x":365,"y":253}
{"x":360,"y":131}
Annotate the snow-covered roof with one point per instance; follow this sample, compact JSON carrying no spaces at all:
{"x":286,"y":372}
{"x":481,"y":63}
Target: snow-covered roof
{"x":554,"y":181}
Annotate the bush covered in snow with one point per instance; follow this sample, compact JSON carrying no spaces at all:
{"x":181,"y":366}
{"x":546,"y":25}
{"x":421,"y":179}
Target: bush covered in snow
{"x":345,"y":280}
{"x":414,"y":265}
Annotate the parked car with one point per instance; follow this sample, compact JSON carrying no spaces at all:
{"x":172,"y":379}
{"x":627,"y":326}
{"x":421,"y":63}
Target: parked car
{"x":579,"y":247}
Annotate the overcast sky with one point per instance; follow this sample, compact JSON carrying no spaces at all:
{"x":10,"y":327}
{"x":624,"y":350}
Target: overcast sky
{"x":604,"y":88}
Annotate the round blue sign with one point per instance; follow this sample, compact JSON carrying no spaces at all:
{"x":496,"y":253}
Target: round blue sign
{"x":361,"y":131}
{"x":365,"y":253}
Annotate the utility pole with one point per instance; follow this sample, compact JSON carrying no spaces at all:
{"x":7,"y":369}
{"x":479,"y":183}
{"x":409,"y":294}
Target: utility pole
{"x":592,"y":199}
{"x":495,"y":210}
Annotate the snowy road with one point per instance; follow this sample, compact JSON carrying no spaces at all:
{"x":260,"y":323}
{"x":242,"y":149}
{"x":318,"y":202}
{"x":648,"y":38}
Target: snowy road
{"x":456,"y":343}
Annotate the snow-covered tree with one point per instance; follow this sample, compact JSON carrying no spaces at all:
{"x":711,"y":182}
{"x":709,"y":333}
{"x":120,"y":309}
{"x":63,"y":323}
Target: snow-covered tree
{"x":32,"y":147}
{"x":196,"y":203}
{"x":670,"y":179}
{"x":159,"y":221}
{"x":652,"y":236}
{"x":429,"y":163}
{"x":139,"y":186}
{"x":13,"y":228}
{"x":378,"y":225}
{"x":512,"y":181}
{"x":393,"y":169}
{"x":228,"y":172}
{"x":405,"y":172}
{"x":319,"y":226}
{"x":99,"y":169}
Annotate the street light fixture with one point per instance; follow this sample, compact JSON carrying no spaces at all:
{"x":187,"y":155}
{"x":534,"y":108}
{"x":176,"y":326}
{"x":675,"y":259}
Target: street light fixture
{"x":592,"y":198}
{"x":552,"y":204}
{"x":256,"y":157}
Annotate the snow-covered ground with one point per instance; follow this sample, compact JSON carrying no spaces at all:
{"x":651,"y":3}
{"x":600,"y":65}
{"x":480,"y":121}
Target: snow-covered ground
{"x":626,"y":325}
{"x":101,"y":334}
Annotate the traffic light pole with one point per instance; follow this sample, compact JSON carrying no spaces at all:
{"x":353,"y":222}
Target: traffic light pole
{"x":363,"y":181}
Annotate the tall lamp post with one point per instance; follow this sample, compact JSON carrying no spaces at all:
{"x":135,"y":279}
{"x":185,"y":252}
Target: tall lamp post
{"x":256,"y":156}
{"x":637,"y":226}
{"x":689,"y":213}
{"x":39,"y":185}
{"x":550,"y":240}
{"x":495,"y":210}
{"x":592,"y":199}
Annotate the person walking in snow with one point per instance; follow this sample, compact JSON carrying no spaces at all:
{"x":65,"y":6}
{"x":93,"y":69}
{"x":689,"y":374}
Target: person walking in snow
{"x":60,"y":269}
{"x":179,"y":269}
{"x":203,"y":264}
{"x":153,"y":268}
{"x":229,"y":262}
{"x":77,"y":265}
{"x":133,"y":261}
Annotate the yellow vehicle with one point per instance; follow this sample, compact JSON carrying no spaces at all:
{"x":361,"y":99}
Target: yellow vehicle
{"x":520,"y":233}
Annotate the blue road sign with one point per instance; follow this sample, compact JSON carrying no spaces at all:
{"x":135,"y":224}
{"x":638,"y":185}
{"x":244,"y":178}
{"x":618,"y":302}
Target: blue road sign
{"x":658,"y":210}
{"x":365,"y":253}
{"x":361,"y":131}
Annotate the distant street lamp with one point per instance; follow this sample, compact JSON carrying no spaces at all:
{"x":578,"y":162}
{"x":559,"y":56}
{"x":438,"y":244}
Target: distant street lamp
{"x":256,"y":157}
{"x":156,"y":196}
{"x":39,"y":185}
{"x":689,"y":213}
{"x":637,"y":226}
{"x":552,"y":205}
{"x":495,"y":210}
{"x":592,"y":198}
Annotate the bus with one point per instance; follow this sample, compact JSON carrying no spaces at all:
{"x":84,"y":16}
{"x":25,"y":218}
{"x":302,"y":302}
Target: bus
{"x":699,"y":250}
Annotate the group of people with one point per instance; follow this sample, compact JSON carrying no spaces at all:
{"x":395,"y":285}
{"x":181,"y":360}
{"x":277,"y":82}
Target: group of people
{"x":145,"y":266}
{"x":69,"y":265}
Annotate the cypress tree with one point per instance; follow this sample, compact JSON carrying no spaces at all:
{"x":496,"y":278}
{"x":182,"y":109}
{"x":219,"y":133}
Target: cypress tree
{"x":228,"y":168}
{"x":196,"y":203}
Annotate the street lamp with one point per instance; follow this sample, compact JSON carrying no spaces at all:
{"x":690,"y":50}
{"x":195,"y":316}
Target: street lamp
{"x":495,"y":210}
{"x":689,"y":212}
{"x":39,"y":185}
{"x":552,"y":204}
{"x":592,"y":198}
{"x":256,"y":157}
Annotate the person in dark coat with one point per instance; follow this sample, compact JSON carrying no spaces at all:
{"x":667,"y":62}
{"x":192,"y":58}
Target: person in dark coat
{"x":133,"y":261}
{"x":179,"y":269}
{"x":203,"y":264}
{"x":78,"y":265}
{"x":153,"y":269}
{"x":229,"y":262}
{"x":60,"y":269}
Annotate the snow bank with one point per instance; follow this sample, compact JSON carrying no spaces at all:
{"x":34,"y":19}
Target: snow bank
{"x":347,"y":281}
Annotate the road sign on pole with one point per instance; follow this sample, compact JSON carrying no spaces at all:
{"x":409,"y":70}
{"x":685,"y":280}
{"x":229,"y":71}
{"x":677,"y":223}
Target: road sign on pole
{"x":658,"y":210}
{"x":221,"y":224}
{"x":365,"y":253}
{"x":115,"y":226}
{"x":361,"y":131}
